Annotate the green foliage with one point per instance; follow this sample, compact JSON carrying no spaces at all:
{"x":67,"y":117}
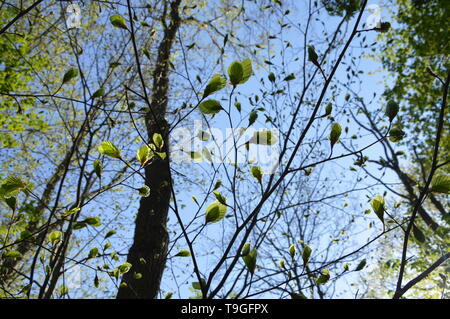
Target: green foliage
{"x":210,"y":107}
{"x":109,"y":149}
{"x":216,"y":83}
{"x":69,"y":75}
{"x":257,"y":173}
{"x":250,"y":260}
{"x":441,"y":183}
{"x":215,"y":212}
{"x":55,"y":237}
{"x":118,"y":21}
{"x":361,"y":265}
{"x":335,"y":134}
{"x":183,"y":253}
{"x":378,"y":207}
{"x":306,"y":254}
{"x":392,"y":109}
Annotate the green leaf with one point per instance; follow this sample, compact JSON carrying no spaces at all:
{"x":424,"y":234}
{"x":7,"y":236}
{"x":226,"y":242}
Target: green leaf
{"x":144,"y":191}
{"x":378,"y":206}
{"x":168,"y":295}
{"x":215,"y":212}
{"x":118,"y":21}
{"x":137,"y":275}
{"x":71,"y":211}
{"x":93,"y":221}
{"x":93,"y":253}
{"x":55,"y":237}
{"x":306,"y":254}
{"x":197,"y":286}
{"x":124,"y":268}
{"x":216,"y":83}
{"x":63,"y":290}
{"x":247,"y":70}
{"x":392,"y":109}
{"x":12,"y":254}
{"x":290,"y":77}
{"x":324,"y":277}
{"x":69,"y":75}
{"x":361,"y":265}
{"x":257,"y":173}
{"x":158,"y":140}
{"x":11,"y":202}
{"x":282,"y":264}
{"x":210,"y":107}
{"x":271,"y":77}
{"x":222,"y":199}
{"x":12,"y":186}
{"x":418,"y":234}
{"x":245,"y":249}
{"x":109,"y":149}
{"x":96,"y":281}
{"x":110,"y":233}
{"x":183,"y":253}
{"x":295,"y":295}
{"x":440,"y":183}
{"x":100,"y":92}
{"x":292,"y":250}
{"x":79,"y":225}
{"x":396,"y":135}
{"x":144,"y":154}
{"x":250,"y":260}
{"x":252,"y":117}
{"x":98,"y":169}
{"x":263,"y":137}
{"x":236,"y":73}
{"x":328,"y":109}
{"x":312,"y":55}
{"x":335,"y":134}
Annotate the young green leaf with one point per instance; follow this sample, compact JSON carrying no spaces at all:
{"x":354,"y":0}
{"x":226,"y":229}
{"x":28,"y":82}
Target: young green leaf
{"x":312,"y":55}
{"x":271,"y":77}
{"x":118,"y":21}
{"x":99,"y":93}
{"x":392,"y":109}
{"x":110,"y":233}
{"x":109,"y":149}
{"x":295,"y":295}
{"x":324,"y":277}
{"x":158,"y":140}
{"x":215,"y":212}
{"x":98,"y":169}
{"x":292,"y":250}
{"x":144,"y":154}
{"x":12,"y":254}
{"x":93,"y":253}
{"x":247,"y":70}
{"x":216,"y":83}
{"x":418,"y":234}
{"x":54,"y":237}
{"x":236,"y":73}
{"x":183,"y":253}
{"x":245,"y":250}
{"x":263,"y":137}
{"x":257,"y":173}
{"x":124,"y":268}
{"x":335,"y":134}
{"x":378,"y":206}
{"x":440,"y":184}
{"x":69,"y":75}
{"x":210,"y":107}
{"x":252,"y":117}
{"x":361,"y":265}
{"x":197,"y":286}
{"x":250,"y":260}
{"x":93,"y":221}
{"x":306,"y":254}
{"x":144,"y":191}
{"x":396,"y":135}
{"x":12,"y":186}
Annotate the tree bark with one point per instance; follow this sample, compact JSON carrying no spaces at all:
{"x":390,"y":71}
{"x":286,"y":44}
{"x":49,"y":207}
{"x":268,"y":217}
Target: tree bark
{"x":148,"y":252}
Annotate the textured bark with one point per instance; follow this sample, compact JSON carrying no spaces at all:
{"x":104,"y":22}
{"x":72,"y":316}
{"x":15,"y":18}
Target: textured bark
{"x":148,"y":252}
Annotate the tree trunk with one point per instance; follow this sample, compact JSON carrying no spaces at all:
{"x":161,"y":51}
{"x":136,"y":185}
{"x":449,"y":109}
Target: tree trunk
{"x":148,"y":252}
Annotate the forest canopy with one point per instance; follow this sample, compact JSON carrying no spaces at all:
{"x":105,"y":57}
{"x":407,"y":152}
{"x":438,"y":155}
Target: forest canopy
{"x":275,"y":149}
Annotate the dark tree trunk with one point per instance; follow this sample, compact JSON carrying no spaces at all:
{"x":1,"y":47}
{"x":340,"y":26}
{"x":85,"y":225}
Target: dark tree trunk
{"x":148,"y":252}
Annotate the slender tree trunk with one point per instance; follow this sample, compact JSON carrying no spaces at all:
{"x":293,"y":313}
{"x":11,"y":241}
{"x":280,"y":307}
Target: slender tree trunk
{"x":148,"y":252}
